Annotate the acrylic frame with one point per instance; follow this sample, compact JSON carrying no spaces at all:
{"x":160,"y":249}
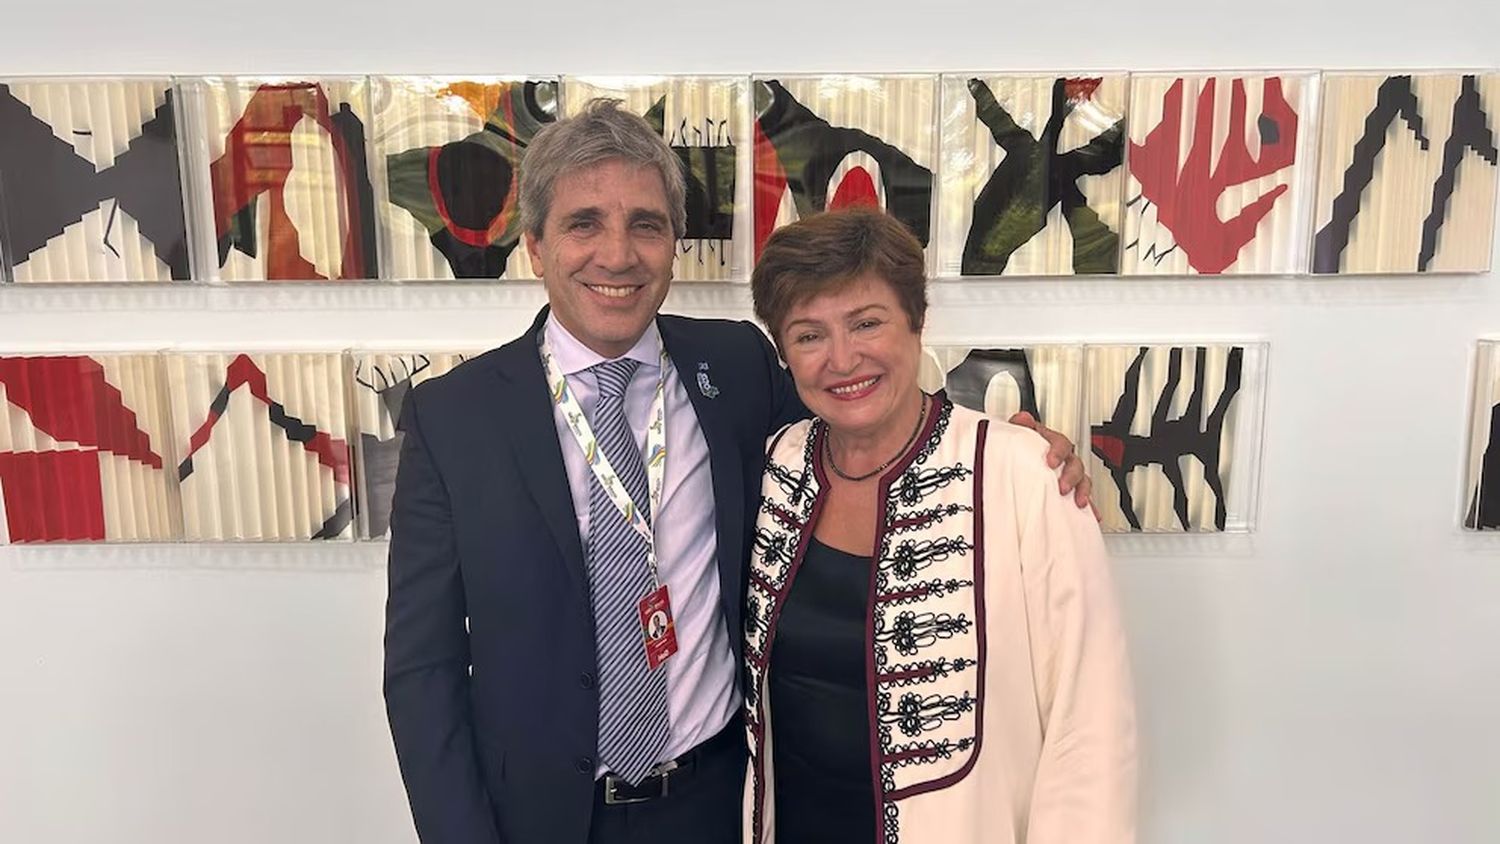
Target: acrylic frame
{"x":1400,"y":135}
{"x":119,"y":228}
{"x":1196,"y":172}
{"x":316,"y":191}
{"x":975,"y":168}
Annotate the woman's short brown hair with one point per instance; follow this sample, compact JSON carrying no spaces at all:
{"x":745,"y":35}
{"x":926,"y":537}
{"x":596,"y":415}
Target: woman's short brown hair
{"x":823,"y":253}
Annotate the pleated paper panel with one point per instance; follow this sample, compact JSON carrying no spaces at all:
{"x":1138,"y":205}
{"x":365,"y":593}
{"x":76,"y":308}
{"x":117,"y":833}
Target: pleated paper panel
{"x":1163,"y":422}
{"x":288,"y":195}
{"x":261,"y":445}
{"x":827,"y":142}
{"x":381,"y":382}
{"x":1032,"y":174}
{"x":446,"y":168}
{"x":1407,"y":173}
{"x":706,"y":119}
{"x":1482,"y":487}
{"x":1219,"y":172}
{"x":90,"y":181}
{"x":1045,"y":381}
{"x":82,"y":450}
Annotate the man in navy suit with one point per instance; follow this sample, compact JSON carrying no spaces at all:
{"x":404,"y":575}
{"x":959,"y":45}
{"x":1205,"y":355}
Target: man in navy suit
{"x":557,"y":498}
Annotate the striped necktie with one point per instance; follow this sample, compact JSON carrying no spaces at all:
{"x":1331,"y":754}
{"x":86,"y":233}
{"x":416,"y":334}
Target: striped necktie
{"x":633,"y":724}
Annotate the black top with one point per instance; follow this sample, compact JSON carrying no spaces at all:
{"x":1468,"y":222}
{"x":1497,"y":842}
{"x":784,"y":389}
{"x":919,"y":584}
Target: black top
{"x":819,"y":699}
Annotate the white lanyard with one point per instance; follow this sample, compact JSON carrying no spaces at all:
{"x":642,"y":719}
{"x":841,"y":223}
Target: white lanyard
{"x":598,"y":462}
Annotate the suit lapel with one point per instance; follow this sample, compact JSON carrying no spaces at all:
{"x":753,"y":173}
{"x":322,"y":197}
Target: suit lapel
{"x":695,"y":364}
{"x":532,"y":432}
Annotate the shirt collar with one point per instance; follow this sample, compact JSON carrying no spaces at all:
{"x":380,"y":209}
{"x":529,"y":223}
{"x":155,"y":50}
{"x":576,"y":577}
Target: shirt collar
{"x":573,"y":357}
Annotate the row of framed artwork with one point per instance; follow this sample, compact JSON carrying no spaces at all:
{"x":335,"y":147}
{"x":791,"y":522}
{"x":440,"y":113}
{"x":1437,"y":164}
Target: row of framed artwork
{"x":289,"y":446}
{"x":230,"y":179}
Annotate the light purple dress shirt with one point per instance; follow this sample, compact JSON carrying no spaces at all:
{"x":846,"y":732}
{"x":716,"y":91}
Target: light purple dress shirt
{"x":702,"y":692}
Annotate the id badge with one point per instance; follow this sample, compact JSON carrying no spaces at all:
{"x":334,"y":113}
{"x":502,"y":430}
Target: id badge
{"x":657,"y":627}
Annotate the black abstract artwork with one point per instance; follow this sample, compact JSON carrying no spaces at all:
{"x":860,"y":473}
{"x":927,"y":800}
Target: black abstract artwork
{"x":47,"y":184}
{"x":1034,"y":178}
{"x":707,"y":154}
{"x":1170,"y":439}
{"x":969,"y":383}
{"x":1398,"y":105}
{"x":1484,"y":505}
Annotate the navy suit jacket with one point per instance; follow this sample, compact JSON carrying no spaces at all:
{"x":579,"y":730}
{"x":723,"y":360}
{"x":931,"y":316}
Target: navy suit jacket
{"x":489,"y":646}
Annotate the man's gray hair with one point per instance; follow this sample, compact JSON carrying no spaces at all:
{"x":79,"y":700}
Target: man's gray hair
{"x":602,"y":131}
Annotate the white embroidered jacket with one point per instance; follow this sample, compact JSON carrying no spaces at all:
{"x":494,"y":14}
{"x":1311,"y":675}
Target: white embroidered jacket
{"x":1000,"y":701}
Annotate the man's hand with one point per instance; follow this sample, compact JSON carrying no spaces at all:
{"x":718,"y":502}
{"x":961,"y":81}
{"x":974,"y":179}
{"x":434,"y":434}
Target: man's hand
{"x":1060,"y":452}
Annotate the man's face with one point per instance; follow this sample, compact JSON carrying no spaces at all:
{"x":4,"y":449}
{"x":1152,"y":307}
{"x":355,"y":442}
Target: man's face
{"x":605,"y":253}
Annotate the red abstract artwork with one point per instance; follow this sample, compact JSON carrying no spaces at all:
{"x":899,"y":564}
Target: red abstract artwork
{"x":824,"y":143}
{"x":259,"y":159}
{"x":261,"y":452}
{"x":330,"y":451}
{"x":76,"y":463}
{"x":1211,"y":197}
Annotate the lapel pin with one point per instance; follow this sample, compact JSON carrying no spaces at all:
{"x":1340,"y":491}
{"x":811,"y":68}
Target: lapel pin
{"x":705,"y":386}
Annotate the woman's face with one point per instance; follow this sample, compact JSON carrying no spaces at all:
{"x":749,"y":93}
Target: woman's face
{"x":854,"y":356}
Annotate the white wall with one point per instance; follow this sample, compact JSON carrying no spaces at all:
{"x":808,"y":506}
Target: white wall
{"x":1333,"y":678}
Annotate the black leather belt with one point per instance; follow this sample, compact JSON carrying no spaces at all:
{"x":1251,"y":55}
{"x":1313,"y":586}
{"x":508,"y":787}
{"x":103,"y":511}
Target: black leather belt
{"x":615,"y":791}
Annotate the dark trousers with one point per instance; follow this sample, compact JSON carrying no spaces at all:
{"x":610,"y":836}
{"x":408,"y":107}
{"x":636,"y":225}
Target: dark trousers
{"x":704,"y":808}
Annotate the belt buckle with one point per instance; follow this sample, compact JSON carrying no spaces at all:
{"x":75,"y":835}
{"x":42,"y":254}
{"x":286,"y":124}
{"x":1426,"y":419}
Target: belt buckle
{"x":612,"y":783}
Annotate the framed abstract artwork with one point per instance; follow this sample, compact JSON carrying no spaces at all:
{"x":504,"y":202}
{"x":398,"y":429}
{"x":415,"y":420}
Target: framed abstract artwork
{"x":445,"y":163}
{"x":260,"y":444}
{"x":91,"y":181}
{"x":1174,"y":435}
{"x":281,"y":182}
{"x":1219,"y":174}
{"x":1032,"y":175}
{"x":1173,"y":431}
{"x":1407,"y":174}
{"x":381,"y":381}
{"x":706,"y":119}
{"x":84,"y":450}
{"x":826,"y":142}
{"x":1482,"y":478}
{"x":1045,"y":381}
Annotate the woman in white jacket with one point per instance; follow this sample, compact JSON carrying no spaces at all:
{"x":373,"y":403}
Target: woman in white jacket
{"x":933,"y":644}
